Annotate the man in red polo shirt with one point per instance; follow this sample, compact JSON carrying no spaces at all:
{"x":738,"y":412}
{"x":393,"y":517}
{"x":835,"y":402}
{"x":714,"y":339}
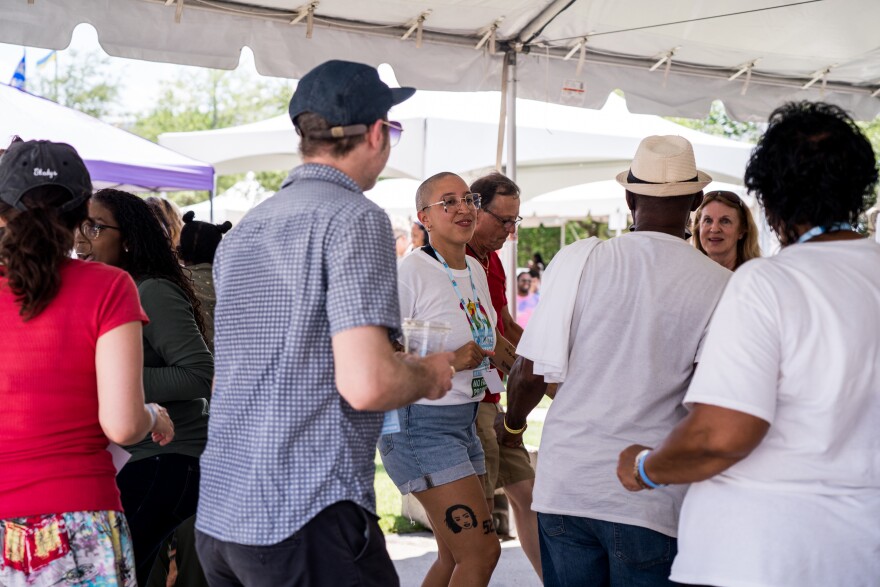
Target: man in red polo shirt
{"x":509,"y":468}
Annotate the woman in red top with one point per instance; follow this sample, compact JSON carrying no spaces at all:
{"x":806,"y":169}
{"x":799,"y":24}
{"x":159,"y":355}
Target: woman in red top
{"x":71,"y":379}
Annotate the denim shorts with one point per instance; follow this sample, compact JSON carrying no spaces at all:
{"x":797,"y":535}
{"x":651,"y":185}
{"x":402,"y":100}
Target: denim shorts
{"x":436,"y":445}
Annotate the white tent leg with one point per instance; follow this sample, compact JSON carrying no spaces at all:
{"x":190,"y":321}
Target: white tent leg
{"x":510,"y":264}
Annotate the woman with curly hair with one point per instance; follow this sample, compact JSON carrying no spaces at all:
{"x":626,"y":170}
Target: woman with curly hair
{"x":71,"y":380}
{"x":781,"y":444}
{"x":159,"y":485}
{"x":725,"y":231}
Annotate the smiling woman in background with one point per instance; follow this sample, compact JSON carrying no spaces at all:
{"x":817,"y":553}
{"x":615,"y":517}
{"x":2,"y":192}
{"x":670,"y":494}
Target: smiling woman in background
{"x":159,"y":486}
{"x":725,"y":230}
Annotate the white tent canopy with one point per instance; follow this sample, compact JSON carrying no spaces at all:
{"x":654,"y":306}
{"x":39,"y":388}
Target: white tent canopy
{"x":557,"y":145}
{"x":114,"y":157}
{"x":396,"y":196}
{"x":829,"y":46}
{"x":232,"y":204}
{"x":598,"y":199}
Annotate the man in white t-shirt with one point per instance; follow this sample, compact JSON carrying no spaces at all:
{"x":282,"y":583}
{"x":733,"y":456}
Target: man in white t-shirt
{"x":781,"y":445}
{"x":619,"y":325}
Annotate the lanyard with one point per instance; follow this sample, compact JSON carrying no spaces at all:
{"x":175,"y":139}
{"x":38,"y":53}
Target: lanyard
{"x":481,"y":328}
{"x":818,"y":230}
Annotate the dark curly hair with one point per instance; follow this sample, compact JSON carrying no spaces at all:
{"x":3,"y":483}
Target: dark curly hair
{"x":199,"y":240}
{"x":812,"y":167}
{"x":149,"y":253}
{"x":35,"y":243}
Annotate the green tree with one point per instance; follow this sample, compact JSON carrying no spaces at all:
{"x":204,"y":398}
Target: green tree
{"x":84,"y":82}
{"x":205,"y":99}
{"x":546,"y":239}
{"x":720,"y":124}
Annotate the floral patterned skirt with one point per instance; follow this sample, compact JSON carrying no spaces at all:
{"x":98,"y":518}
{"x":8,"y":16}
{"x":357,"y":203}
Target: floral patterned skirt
{"x":75,"y":548}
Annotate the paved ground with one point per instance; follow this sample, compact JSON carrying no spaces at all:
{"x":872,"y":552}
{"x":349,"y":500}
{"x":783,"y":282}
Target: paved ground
{"x":414,"y":553}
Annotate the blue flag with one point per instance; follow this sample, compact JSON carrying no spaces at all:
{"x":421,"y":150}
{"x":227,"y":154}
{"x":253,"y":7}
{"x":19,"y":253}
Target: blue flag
{"x":48,"y":58}
{"x":18,"y":78}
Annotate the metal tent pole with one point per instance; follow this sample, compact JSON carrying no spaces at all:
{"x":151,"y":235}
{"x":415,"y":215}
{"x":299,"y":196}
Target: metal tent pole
{"x":510,"y":268}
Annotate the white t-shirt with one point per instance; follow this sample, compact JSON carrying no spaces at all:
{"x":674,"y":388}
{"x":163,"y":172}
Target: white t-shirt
{"x":794,"y":342}
{"x":644,"y":303}
{"x":426,"y":293}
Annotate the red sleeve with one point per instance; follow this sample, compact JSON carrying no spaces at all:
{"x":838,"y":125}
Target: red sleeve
{"x":120,"y":305}
{"x":497,"y":283}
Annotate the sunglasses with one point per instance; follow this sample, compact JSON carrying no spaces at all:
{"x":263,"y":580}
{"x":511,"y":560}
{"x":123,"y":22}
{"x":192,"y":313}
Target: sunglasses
{"x":725,"y":196}
{"x":395,"y":129}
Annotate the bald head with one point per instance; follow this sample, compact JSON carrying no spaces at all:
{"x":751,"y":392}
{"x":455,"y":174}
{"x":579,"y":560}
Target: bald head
{"x":426,"y":190}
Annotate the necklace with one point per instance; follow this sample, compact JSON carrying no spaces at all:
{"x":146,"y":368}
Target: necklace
{"x":485,"y":265}
{"x":819,"y":230}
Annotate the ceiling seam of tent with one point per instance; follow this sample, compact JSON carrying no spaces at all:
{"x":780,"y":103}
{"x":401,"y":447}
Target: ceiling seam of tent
{"x":591,"y":55}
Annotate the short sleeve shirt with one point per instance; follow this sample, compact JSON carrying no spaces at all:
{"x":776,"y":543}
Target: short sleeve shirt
{"x":312,"y":261}
{"x":53,"y":455}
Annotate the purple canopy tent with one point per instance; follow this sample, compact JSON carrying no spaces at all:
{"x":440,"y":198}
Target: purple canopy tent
{"x":114,"y":157}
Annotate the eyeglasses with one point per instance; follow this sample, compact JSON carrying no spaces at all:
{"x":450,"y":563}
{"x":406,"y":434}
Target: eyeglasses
{"x":92,"y":230}
{"x":471,"y":202}
{"x":725,"y":196}
{"x":509,"y":223}
{"x":395,"y":129}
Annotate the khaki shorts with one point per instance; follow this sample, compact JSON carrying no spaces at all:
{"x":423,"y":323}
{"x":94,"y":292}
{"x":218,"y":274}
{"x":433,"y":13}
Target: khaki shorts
{"x":504,"y":466}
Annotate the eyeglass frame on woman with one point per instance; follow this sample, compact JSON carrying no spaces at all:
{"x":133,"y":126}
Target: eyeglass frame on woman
{"x":458,"y":201}
{"x":87,"y":227}
{"x":507,"y":224}
{"x":724,"y":195}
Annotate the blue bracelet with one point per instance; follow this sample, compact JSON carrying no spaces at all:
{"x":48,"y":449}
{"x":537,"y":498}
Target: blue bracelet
{"x":644,"y":476}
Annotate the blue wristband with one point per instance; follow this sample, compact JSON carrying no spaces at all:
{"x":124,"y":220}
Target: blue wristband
{"x":644,"y":476}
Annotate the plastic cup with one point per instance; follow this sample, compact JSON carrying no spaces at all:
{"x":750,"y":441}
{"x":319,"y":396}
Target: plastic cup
{"x":421,"y":337}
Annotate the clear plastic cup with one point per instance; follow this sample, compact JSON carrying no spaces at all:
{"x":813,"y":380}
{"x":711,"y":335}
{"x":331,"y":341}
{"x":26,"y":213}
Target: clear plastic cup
{"x":421,"y":337}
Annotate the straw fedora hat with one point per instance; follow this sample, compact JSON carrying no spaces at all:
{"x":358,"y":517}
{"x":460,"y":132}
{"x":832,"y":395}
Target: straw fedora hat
{"x":664,"y":166}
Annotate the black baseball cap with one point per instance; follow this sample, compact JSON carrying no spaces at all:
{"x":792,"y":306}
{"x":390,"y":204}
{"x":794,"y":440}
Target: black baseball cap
{"x":345,"y":94}
{"x":31,"y":164}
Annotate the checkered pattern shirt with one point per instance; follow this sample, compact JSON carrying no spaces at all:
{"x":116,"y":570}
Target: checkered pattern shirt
{"x":312,"y":261}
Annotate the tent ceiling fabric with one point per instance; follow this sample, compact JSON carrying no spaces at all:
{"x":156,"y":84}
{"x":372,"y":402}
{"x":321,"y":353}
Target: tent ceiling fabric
{"x":794,"y":41}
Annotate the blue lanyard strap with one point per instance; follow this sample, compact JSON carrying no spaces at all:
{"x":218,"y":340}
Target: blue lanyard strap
{"x":478,"y":331}
{"x":819,"y":230}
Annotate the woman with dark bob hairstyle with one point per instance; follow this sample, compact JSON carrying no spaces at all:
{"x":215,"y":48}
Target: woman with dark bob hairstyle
{"x":725,"y":231}
{"x":159,"y":486}
{"x":782,"y":441}
{"x":70,"y":350}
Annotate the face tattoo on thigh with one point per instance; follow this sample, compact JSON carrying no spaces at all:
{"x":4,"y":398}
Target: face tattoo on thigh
{"x":460,"y":517}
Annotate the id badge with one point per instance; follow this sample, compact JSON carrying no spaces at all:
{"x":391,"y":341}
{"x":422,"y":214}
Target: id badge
{"x":391,"y":422}
{"x":493,"y":380}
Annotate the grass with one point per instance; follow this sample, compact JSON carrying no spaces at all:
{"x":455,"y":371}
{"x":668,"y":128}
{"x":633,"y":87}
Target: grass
{"x":388,"y":502}
{"x":388,"y":499}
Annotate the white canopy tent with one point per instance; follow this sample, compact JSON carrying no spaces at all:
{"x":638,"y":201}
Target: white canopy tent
{"x":670,"y":58}
{"x":557,"y":146}
{"x":232,"y":204}
{"x":598,"y":199}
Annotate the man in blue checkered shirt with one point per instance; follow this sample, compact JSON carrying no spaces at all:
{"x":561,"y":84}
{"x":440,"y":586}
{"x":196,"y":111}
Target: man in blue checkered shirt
{"x":306,"y":308}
